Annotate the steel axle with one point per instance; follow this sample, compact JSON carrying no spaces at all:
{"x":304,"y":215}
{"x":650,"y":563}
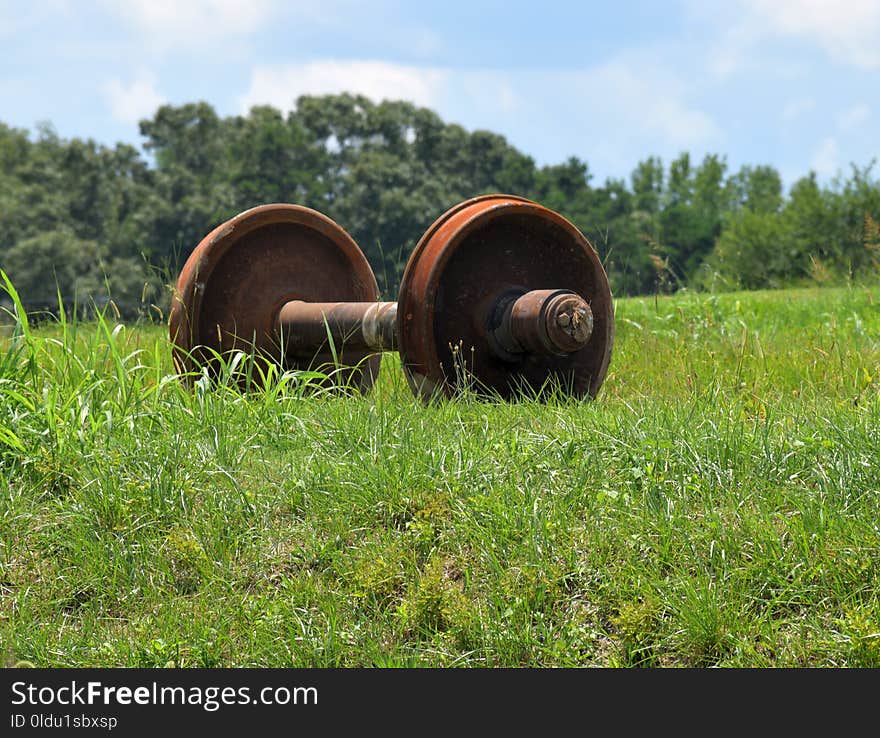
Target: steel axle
{"x":541,"y":322}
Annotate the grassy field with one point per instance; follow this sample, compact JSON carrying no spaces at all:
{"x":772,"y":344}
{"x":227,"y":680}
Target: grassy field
{"x":719,"y":504}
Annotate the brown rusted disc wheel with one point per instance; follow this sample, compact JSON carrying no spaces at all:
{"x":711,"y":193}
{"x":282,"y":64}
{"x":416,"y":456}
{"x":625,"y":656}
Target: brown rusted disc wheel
{"x":476,"y":252}
{"x":240,"y":274}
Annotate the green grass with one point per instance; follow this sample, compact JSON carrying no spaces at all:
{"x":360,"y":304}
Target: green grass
{"x":719,"y":504}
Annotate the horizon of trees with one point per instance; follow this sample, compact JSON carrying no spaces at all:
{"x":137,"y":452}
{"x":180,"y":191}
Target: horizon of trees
{"x":92,"y":222}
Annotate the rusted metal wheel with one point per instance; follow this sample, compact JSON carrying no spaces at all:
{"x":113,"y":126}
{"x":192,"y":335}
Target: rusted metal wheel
{"x":484,"y":253}
{"x":235,"y":282}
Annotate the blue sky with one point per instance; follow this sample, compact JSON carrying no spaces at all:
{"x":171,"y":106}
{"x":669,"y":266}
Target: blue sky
{"x":792,"y":83}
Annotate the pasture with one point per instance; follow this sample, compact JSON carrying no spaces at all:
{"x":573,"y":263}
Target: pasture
{"x":717,"y":505}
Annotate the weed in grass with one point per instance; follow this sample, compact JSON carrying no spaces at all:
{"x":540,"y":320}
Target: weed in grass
{"x":861,"y":631}
{"x":636,"y":625}
{"x":186,"y":560}
{"x":435,"y":600}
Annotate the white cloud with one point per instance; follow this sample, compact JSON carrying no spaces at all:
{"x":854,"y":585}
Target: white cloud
{"x":628,"y":104}
{"x":485,"y":98}
{"x":280,"y":85}
{"x":826,"y":158}
{"x":632,"y":99}
{"x":139,"y":99}
{"x":848,"y":31}
{"x":853,"y":117}
{"x":609,"y":114}
{"x":796,"y":108}
{"x":196,"y":21}
{"x":679,"y":125}
{"x":845,"y":31}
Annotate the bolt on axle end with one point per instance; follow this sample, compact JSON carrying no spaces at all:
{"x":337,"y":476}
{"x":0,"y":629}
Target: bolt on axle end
{"x":543,"y":322}
{"x":569,"y":322}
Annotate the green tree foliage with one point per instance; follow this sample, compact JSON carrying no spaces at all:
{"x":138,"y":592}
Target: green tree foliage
{"x":69,"y":221}
{"x":100,"y":222}
{"x":690,"y":220}
{"x":752,"y":252}
{"x":58,"y":263}
{"x":815,"y":235}
{"x":758,"y":189}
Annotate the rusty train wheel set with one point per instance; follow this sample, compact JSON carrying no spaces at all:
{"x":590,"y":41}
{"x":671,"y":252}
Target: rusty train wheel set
{"x":500,"y":296}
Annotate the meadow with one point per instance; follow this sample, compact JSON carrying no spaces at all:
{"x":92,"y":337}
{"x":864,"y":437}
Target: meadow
{"x":717,"y":505}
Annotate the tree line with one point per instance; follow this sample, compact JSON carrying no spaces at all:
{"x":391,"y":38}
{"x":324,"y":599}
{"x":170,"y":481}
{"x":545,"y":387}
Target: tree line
{"x":87,"y":222}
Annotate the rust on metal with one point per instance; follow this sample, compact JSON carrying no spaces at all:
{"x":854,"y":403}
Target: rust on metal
{"x":309,"y":327}
{"x":500,"y":295}
{"x":240,"y":275}
{"x":567,"y":320}
{"x":490,"y":251}
{"x":552,"y":322}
